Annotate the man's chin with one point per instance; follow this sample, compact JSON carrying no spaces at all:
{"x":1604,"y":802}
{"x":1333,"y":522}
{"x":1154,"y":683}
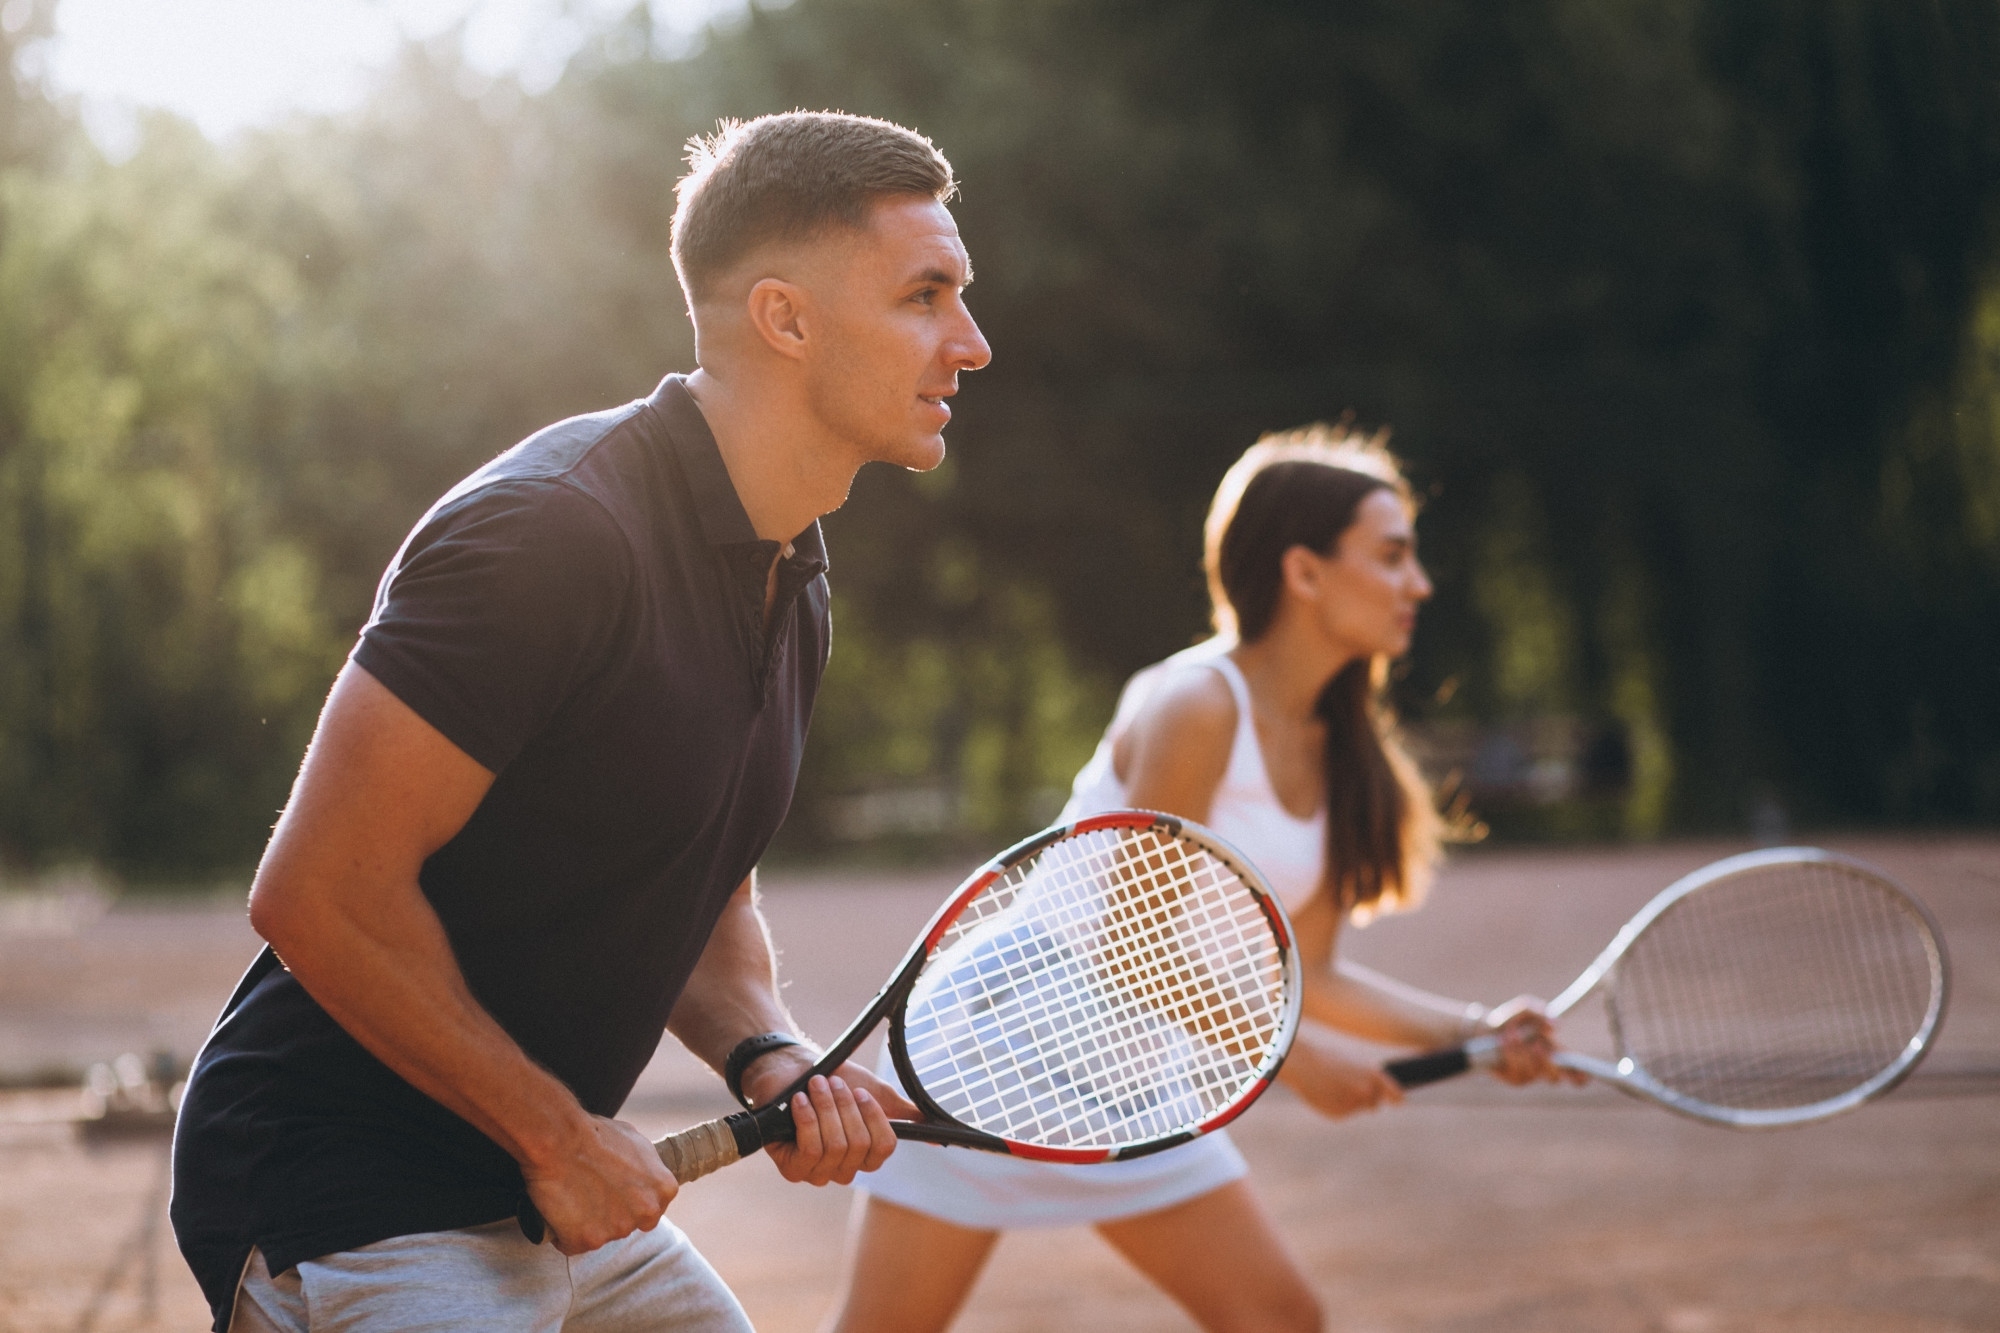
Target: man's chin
{"x":915,"y":455}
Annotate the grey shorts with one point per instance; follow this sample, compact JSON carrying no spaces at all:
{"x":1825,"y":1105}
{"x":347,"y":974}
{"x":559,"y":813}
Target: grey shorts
{"x":491,"y":1280}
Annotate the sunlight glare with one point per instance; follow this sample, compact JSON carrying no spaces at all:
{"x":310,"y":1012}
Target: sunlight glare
{"x":227,"y":64}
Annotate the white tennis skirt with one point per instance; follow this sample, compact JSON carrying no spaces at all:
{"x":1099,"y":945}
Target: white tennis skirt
{"x":995,"y":1192}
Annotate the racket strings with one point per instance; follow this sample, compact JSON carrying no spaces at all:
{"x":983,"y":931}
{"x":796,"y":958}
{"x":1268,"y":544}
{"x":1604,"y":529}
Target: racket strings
{"x":1122,"y":987}
{"x":1778,"y":987}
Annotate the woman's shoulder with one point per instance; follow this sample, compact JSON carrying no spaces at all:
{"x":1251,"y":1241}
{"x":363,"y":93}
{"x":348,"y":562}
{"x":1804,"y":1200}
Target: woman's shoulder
{"x":1185,"y":700}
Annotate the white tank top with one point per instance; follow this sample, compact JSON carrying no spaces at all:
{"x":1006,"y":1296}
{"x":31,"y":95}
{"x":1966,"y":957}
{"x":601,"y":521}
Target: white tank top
{"x":1288,"y":851}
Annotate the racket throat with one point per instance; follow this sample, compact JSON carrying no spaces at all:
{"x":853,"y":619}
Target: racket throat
{"x":771,"y":1123}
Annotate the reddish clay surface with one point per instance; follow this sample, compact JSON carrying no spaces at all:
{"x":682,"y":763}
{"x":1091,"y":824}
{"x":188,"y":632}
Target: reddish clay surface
{"x":1473,"y":1207}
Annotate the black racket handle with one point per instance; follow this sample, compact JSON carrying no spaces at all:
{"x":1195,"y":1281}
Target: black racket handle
{"x":1435,"y":1067}
{"x":1481,"y":1052}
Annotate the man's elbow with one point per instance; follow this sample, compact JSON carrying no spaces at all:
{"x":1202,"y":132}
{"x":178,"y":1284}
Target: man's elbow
{"x":275,"y":908}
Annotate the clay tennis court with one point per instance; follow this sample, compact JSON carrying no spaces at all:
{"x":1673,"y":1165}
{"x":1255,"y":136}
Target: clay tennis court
{"x":1473,"y":1207}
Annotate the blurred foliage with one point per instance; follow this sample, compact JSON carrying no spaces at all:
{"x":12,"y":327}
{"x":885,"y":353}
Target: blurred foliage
{"x":1685,"y":312}
{"x":158,"y":626}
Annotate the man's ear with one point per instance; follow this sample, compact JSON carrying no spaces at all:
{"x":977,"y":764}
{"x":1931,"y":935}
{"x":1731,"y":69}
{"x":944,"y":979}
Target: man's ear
{"x":776,"y":310}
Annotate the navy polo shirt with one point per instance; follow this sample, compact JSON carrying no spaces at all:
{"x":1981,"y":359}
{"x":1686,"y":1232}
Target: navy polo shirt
{"x":585,"y":617}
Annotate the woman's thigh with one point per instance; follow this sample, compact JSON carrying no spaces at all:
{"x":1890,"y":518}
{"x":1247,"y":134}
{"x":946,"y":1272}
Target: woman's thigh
{"x":1221,"y":1260}
{"x":907,"y":1272}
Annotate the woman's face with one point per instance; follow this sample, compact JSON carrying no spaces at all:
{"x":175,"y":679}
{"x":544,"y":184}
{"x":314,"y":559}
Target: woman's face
{"x":1365,"y":594}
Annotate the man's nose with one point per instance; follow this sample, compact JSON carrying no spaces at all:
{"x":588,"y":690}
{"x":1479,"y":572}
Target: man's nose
{"x":969,"y":350}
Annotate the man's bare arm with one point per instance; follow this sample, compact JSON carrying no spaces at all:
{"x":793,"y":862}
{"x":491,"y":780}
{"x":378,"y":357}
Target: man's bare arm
{"x":338,"y":898}
{"x":733,"y":991}
{"x":843,"y":1121}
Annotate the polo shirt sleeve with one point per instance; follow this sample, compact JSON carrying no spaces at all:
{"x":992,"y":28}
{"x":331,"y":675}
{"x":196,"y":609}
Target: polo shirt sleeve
{"x":496,"y":612}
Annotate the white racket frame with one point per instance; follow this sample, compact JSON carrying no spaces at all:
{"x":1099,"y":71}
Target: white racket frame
{"x":1628,"y":1076}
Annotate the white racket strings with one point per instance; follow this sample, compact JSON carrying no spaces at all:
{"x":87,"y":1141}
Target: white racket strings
{"x":1122,"y":987}
{"x":1777,"y":987}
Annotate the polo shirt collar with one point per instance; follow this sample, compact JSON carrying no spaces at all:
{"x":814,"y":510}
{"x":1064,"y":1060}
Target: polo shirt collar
{"x":724,"y":521}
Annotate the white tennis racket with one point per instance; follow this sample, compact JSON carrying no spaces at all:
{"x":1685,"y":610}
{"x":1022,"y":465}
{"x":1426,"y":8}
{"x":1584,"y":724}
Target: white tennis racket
{"x":1769,"y":989}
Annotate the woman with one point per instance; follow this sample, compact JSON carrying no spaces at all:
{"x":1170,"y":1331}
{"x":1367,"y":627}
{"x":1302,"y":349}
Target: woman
{"x":1273,"y":734}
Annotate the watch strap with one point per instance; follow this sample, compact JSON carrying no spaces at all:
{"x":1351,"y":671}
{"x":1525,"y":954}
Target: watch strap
{"x":747,"y":1051}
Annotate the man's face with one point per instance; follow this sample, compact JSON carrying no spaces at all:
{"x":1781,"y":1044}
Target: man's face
{"x":893,"y":332}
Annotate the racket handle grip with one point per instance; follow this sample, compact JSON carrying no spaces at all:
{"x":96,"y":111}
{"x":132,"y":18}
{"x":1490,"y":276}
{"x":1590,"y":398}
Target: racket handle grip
{"x":1433,"y":1067}
{"x":1437,"y":1066}
{"x":696,"y":1151}
{"x":714,"y":1144}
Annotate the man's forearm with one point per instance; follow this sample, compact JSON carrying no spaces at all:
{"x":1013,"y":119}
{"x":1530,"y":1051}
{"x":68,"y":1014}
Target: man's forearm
{"x":733,"y":992}
{"x":392,"y":982}
{"x":841,"y":1121}
{"x":337,"y":896}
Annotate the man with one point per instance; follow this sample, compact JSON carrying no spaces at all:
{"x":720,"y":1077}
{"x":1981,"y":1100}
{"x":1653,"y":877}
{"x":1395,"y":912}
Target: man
{"x":521,"y":841}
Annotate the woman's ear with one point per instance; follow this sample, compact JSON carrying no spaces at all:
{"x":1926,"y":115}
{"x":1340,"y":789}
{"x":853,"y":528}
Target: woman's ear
{"x":1300,"y":569}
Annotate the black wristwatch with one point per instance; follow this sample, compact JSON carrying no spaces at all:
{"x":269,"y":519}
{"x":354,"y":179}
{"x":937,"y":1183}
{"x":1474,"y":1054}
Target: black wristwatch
{"x":747,"y":1051}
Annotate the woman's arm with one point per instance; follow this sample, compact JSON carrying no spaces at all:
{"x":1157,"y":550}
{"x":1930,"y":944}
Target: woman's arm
{"x":1364,"y":1003}
{"x":1171,"y":758}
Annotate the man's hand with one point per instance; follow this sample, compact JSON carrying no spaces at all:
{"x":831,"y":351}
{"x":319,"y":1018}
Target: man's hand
{"x":842,"y":1120}
{"x":605,"y":1184}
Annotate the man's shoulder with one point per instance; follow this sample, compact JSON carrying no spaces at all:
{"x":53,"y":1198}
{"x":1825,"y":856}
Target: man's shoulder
{"x":558,"y":453}
{"x":534,"y":516}
{"x":553,"y":479}
{"x":516,"y":533}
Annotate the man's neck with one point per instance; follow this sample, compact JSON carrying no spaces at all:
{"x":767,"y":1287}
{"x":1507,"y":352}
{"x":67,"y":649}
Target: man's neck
{"x":785,"y":473}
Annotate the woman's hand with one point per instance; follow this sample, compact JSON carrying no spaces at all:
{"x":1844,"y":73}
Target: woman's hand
{"x":1528,"y":1044}
{"x":1334,"y":1086}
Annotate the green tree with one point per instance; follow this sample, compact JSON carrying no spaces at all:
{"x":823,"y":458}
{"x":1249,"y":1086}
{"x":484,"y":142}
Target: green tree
{"x":1674,"y":306}
{"x":161,"y":637}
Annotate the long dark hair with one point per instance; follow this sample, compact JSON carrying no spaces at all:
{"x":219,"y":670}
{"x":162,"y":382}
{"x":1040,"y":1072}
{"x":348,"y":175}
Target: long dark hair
{"x":1303,"y":488}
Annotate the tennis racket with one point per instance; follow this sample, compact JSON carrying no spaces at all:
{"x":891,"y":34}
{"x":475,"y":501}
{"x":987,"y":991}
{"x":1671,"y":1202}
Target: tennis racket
{"x":1769,"y":989}
{"x":1103,"y":990}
